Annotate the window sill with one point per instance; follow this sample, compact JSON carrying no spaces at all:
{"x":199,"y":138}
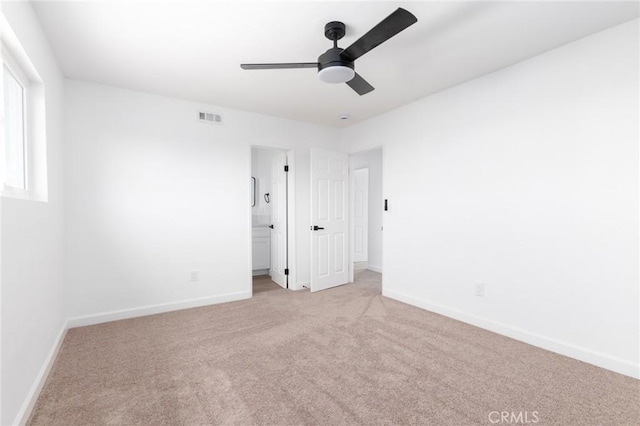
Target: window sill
{"x":19,"y":194}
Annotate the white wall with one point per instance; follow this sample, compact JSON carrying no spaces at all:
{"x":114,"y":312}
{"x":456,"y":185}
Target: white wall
{"x":33,"y":243}
{"x":524,"y":180}
{"x":153,"y":194}
{"x":372,"y":160}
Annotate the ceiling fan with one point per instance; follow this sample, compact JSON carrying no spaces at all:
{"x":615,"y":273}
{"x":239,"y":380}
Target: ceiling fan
{"x":336,"y":65}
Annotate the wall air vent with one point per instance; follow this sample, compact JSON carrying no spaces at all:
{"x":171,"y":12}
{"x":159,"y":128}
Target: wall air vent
{"x":209,"y":117}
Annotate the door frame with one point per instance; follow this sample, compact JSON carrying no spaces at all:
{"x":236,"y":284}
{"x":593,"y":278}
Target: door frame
{"x":351,"y":206}
{"x":291,"y":217}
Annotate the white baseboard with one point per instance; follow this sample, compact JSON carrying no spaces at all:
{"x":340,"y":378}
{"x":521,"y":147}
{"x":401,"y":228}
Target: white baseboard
{"x":300,"y":286}
{"x":375,"y":268}
{"x":30,"y":401}
{"x":156,"y":309}
{"x":596,"y":358}
{"x":360,"y":266}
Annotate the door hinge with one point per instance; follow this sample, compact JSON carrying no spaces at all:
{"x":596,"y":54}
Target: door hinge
{"x":286,"y":271}
{"x":286,"y":168}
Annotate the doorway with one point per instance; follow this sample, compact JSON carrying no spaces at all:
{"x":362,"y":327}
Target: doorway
{"x":271,"y":216}
{"x":366,"y":213}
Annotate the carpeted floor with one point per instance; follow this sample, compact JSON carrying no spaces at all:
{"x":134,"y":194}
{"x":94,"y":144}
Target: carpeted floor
{"x":345,"y":356}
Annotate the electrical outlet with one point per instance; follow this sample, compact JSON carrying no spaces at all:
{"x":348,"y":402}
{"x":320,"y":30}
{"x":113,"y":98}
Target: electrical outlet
{"x":195,"y":276}
{"x":480,"y":290}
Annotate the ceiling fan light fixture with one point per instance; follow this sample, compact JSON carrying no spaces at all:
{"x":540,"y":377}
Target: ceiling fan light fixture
{"x":336,"y":74}
{"x":336,"y":64}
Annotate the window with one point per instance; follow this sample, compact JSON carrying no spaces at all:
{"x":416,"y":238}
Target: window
{"x":23,"y":131}
{"x":15,"y":128}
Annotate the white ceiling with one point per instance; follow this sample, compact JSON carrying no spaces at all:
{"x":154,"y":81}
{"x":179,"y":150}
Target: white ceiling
{"x":192,"y":49}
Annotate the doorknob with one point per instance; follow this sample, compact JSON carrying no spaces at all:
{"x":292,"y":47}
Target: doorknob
{"x":271,"y":226}
{"x":316,"y":228}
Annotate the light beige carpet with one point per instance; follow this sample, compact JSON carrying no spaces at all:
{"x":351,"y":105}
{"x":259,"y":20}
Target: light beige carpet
{"x":345,"y":356}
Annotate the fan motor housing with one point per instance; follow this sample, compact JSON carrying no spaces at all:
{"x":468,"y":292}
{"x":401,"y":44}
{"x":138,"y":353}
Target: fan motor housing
{"x":332,"y":58}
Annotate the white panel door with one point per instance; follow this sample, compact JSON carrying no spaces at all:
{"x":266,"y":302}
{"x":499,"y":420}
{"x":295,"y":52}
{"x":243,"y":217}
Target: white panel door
{"x":329,"y":219}
{"x":278,"y":199}
{"x":360,"y":215}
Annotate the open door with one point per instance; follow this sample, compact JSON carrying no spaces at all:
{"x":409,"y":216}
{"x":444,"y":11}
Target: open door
{"x":279,"y":268}
{"x":360,"y":215}
{"x":329,"y":219}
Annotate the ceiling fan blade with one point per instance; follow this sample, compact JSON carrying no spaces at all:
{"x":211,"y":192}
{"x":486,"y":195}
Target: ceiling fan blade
{"x":279,"y":66}
{"x":387,"y":28}
{"x":360,"y":85}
